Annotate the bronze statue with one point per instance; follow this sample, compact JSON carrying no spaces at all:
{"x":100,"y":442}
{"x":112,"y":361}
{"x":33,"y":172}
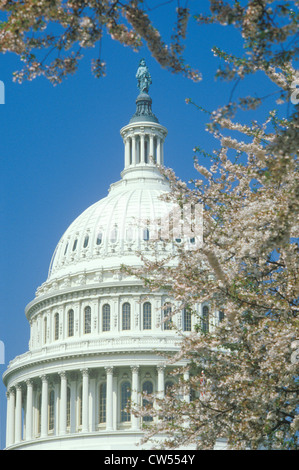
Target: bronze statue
{"x":144,"y":79}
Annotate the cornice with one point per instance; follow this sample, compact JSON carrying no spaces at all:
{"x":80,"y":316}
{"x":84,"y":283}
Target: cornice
{"x":78,"y":350}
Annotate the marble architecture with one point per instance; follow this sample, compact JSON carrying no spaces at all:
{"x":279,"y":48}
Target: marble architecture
{"x":96,"y":335}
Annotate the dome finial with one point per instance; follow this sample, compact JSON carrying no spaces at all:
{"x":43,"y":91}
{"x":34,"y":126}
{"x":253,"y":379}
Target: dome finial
{"x":143,"y":101}
{"x":144,"y":79}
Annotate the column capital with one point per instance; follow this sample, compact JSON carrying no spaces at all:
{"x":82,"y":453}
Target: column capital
{"x":135,"y":368}
{"x":12,"y":390}
{"x":109,"y":369}
{"x":85,"y":371}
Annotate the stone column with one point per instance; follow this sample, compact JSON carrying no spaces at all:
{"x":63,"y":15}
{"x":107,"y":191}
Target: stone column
{"x":135,"y":395}
{"x":29,"y":410}
{"x":109,"y":398}
{"x":92,"y":402}
{"x":142,"y":158}
{"x":161,"y":392}
{"x":44,"y":407}
{"x":159,"y":151}
{"x":12,"y":406}
{"x":133,"y":150}
{"x":8,"y":417}
{"x":18,"y":416}
{"x":151,"y":146}
{"x":85,"y":392}
{"x":73,"y":404}
{"x":63,"y":402}
{"x":187,"y":394}
{"x":127,"y":152}
{"x":56,"y":405}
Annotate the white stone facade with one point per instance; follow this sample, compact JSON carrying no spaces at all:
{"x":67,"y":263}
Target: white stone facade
{"x":96,"y":335}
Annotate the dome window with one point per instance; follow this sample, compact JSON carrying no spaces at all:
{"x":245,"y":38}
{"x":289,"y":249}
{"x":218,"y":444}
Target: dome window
{"x":126,"y":316}
{"x":66,"y":247}
{"x":146,"y":235}
{"x":125,"y":397}
{"x":147,"y":316}
{"x":106,"y":317}
{"x":102,"y":402}
{"x":167,"y":324}
{"x":51,"y":408}
{"x":205,"y":319}
{"x":186,"y":314}
{"x":86,"y":240}
{"x":148,"y":389}
{"x":87,"y":320}
{"x":75,"y":244}
{"x":99,"y":238}
{"x":70,"y":325}
{"x":56,"y":326}
{"x":113,"y":235}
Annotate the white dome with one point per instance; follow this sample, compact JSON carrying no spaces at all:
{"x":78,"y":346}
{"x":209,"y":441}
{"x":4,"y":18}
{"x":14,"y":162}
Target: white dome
{"x":98,"y":338}
{"x":110,"y":231}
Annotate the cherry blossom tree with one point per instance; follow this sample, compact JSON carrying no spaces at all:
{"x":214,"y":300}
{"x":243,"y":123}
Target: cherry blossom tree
{"x":243,"y":374}
{"x":243,"y":379}
{"x":247,"y":271}
{"x":50,"y":36}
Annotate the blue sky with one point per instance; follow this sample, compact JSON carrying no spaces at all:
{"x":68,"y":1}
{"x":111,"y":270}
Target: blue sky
{"x":60,"y":149}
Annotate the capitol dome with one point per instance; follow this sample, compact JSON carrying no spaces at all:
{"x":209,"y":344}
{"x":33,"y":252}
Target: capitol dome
{"x":114,"y":227}
{"x":98,"y":337}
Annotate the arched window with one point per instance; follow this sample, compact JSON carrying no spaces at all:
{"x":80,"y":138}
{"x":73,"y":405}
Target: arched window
{"x":205,"y":319}
{"x":146,"y":235}
{"x":86,"y":240}
{"x":106,"y":317}
{"x":113,"y":235}
{"x":125,"y":397}
{"x":56,"y":326}
{"x":167,"y":324}
{"x":186,"y":319}
{"x":87,"y":320}
{"x":68,"y":407}
{"x":126,"y":316}
{"x":102,"y":402}
{"x":70,"y":322}
{"x":148,"y":388}
{"x":99,"y":238}
{"x":147,"y":316}
{"x":51,"y":411}
{"x":75,"y":244}
{"x":66,"y":247}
